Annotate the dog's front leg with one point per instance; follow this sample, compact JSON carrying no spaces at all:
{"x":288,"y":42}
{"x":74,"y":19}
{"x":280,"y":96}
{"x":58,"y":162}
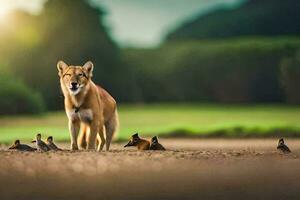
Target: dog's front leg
{"x":74,"y":126}
{"x":92,"y":136}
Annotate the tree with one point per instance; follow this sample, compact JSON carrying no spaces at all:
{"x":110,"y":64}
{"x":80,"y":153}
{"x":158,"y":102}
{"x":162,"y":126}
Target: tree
{"x":73,"y":31}
{"x":252,"y":18}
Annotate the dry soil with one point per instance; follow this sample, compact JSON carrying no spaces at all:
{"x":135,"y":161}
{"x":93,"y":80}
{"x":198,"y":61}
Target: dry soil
{"x":189,"y":169}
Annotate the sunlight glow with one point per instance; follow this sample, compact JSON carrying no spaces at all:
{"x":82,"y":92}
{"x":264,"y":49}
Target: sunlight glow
{"x":31,"y":6}
{"x":4,"y":10}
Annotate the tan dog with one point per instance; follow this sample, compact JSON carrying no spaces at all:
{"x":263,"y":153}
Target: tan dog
{"x":87,"y":106}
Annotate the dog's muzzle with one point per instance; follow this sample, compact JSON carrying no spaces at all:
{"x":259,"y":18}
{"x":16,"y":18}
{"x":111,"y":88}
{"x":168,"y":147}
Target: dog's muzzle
{"x":74,"y":86}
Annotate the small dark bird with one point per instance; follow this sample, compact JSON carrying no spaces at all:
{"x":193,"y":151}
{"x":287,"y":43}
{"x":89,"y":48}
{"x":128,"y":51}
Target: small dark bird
{"x":155,"y":145}
{"x":41,"y":145}
{"x":283,"y":147}
{"x":21,"y":147}
{"x":51,"y":144}
{"x":140,"y":143}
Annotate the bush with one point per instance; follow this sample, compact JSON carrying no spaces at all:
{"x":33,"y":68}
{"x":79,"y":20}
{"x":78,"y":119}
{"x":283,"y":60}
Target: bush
{"x":16,"y":98}
{"x":290,"y":68}
{"x":245,"y":70}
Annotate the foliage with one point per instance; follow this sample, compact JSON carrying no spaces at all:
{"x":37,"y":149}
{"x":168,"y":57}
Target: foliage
{"x":240,"y":70}
{"x":16,"y":98}
{"x":253,"y":18}
{"x":237,"y":71}
{"x":290,"y":68}
{"x":69,"y":30}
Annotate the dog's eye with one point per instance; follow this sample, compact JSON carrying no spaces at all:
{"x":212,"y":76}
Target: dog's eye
{"x":80,"y":74}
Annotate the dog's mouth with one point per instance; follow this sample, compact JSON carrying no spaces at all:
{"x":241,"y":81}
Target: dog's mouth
{"x":74,"y":89}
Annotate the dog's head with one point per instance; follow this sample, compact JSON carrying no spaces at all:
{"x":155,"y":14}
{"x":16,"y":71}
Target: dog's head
{"x":75,"y":78}
{"x":134,"y":140}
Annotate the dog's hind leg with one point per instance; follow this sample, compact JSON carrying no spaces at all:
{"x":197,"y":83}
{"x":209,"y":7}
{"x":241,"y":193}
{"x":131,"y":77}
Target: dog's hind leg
{"x":111,"y":128}
{"x":101,"y":142}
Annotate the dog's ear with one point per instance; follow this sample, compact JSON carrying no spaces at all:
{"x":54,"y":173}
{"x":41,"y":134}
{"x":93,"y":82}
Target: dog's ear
{"x":88,"y":67}
{"x":61,"y":66}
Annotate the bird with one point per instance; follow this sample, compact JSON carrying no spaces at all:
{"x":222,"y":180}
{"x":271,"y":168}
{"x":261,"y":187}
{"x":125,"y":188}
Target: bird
{"x":51,"y":144}
{"x":140,"y":143}
{"x":41,"y":145}
{"x":283,"y":147}
{"x":155,"y":145}
{"x":21,"y":147}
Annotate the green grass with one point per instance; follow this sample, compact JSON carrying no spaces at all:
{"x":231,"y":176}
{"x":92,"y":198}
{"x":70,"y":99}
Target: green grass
{"x":203,"y":120}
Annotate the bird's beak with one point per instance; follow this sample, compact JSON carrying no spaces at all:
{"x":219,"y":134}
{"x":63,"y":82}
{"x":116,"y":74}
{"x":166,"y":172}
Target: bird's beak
{"x":128,"y":144}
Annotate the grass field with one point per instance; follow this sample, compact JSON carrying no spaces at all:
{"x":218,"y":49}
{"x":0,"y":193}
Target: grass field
{"x":191,"y":119}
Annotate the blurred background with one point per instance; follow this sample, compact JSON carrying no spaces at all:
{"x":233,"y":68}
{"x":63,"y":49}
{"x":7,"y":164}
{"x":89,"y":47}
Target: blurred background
{"x":181,"y":68}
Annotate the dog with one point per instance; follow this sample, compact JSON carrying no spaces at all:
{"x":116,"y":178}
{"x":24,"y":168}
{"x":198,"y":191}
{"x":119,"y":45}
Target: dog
{"x":140,"y":143}
{"x":87,"y":106}
{"x":155,"y":145}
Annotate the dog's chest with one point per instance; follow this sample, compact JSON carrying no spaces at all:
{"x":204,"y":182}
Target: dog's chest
{"x":84,"y":115}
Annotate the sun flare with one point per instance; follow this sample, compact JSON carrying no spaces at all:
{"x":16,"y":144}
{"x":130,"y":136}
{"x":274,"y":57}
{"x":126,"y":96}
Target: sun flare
{"x":5,"y":8}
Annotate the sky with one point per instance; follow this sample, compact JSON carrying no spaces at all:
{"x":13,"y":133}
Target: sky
{"x":136,"y":23}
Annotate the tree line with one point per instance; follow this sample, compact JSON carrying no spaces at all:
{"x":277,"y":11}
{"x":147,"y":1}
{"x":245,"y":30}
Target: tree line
{"x":247,"y":70}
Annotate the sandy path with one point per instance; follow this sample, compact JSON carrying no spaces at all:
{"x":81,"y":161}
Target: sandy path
{"x":191,"y":169}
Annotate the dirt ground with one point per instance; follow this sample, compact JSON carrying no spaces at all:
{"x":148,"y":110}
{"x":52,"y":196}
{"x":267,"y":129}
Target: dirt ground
{"x":190,"y":169}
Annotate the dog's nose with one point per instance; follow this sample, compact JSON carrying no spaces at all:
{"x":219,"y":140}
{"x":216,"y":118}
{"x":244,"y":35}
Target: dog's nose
{"x":73,"y":84}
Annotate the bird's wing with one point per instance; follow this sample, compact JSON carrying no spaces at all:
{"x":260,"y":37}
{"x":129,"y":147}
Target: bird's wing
{"x":44,"y":145}
{"x":287,"y":148}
